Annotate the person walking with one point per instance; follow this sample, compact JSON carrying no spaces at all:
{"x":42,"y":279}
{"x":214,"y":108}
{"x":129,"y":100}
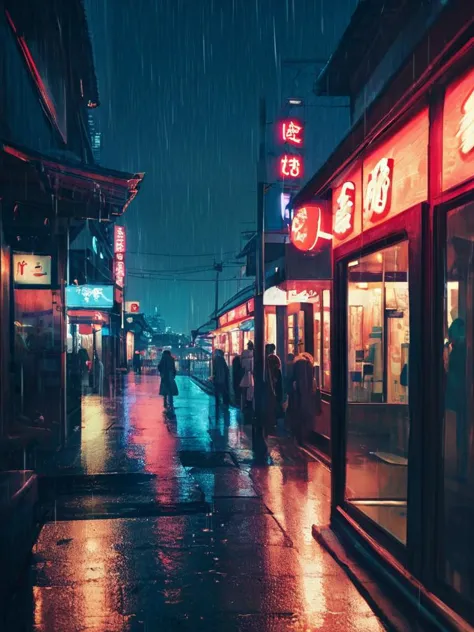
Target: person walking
{"x":273,"y":388}
{"x":137,"y":362}
{"x":237,"y":375}
{"x":247,"y":381}
{"x":220,"y":372}
{"x":168,"y":387}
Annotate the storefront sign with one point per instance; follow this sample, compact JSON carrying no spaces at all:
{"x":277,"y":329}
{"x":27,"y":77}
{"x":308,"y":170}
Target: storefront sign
{"x":291,"y":132}
{"x":395,"y":173}
{"x":458,"y":132}
{"x":90,"y":317}
{"x":90,"y":296}
{"x":120,"y":239}
{"x":120,"y":247}
{"x":378,"y":194}
{"x":31,"y":269}
{"x":306,"y":228}
{"x":237,"y":313}
{"x":132,"y":307}
{"x":291,"y":167}
{"x":343,"y":224}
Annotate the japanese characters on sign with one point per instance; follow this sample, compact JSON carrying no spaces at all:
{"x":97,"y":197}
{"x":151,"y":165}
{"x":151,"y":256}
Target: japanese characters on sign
{"x":120,"y":247}
{"x":290,"y":163}
{"x":89,"y":296}
{"x":466,"y":126}
{"x":292,"y":132}
{"x":378,"y":193}
{"x":120,"y":239}
{"x":291,"y":166}
{"x":237,"y":313}
{"x":31,"y":269}
{"x":306,"y":228}
{"x":343,"y":224}
{"x":458,"y":131}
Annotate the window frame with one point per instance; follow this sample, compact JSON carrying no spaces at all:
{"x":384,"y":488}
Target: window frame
{"x":405,"y":226}
{"x":437,"y":583}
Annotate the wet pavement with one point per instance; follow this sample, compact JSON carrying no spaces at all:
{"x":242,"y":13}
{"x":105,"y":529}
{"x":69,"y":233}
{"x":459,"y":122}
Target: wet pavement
{"x":156,"y":524}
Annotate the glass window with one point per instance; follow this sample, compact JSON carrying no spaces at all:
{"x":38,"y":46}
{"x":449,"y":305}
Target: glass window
{"x":326,"y":340}
{"x":457,"y":551}
{"x":270,"y":328}
{"x":377,"y":387}
{"x":317,"y":333}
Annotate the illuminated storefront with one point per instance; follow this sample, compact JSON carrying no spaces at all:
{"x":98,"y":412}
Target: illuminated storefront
{"x":403,"y":340}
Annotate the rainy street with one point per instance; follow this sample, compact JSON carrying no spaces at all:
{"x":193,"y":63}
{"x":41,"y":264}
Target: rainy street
{"x":166,"y":524}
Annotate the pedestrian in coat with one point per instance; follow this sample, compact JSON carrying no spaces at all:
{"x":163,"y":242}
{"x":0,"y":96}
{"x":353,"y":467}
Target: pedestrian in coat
{"x":304,"y":395}
{"x":220,"y":372}
{"x":273,"y":388}
{"x":237,"y":375}
{"x":247,"y":381}
{"x":168,"y":387}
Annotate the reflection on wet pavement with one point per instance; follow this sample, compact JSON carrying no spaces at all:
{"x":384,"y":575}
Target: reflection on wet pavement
{"x":192,"y":535}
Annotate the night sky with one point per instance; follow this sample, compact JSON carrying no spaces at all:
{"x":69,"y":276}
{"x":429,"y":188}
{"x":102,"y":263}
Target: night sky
{"x":179,"y":84}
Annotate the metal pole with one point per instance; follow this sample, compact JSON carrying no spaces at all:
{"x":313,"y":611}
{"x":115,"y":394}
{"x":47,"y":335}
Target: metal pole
{"x":258,"y":441}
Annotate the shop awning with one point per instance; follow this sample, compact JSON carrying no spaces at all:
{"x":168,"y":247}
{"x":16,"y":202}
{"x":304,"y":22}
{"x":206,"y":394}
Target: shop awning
{"x":82,"y":191}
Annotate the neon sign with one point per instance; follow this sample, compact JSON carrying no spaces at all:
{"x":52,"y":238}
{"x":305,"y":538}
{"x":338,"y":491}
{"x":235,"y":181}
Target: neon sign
{"x":306,"y":228}
{"x":120,"y":239}
{"x":291,"y":166}
{"x":120,"y":247}
{"x":344,"y":215}
{"x":292,"y":132}
{"x":90,"y":296}
{"x":378,"y":195}
{"x":466,"y":126}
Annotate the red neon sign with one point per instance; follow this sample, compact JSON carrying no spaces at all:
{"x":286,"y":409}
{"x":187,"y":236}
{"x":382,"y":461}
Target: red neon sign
{"x":120,"y":239}
{"x":343,"y":224}
{"x":291,"y":166}
{"x":236,"y":314}
{"x":251,"y":306}
{"x":378,"y":194}
{"x":291,"y":132}
{"x":306,"y":228}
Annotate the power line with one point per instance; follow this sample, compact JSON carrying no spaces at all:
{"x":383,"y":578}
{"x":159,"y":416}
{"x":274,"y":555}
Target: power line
{"x":163,"y":254}
{"x":180,"y":280}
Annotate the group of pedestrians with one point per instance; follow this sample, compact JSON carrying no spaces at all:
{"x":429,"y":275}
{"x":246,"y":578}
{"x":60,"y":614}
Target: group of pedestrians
{"x":293,"y":396}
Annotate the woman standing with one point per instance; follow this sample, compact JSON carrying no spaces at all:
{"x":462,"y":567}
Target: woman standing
{"x":168,"y":388}
{"x":247,"y":383}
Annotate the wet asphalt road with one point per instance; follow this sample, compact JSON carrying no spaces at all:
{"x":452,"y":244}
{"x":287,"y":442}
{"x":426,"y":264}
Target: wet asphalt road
{"x":156,"y":524}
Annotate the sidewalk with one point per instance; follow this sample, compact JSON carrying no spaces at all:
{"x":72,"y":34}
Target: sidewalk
{"x":158,"y":524}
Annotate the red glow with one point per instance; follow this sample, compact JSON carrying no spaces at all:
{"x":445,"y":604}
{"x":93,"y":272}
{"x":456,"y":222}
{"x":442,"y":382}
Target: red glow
{"x":291,"y":166}
{"x":343,"y":224}
{"x":291,"y":131}
{"x":378,"y":194}
{"x":306,"y":230}
{"x":458,"y":132}
{"x":120,"y":239}
{"x":85,"y":316}
{"x":32,"y":67}
{"x":392,"y":187}
{"x":237,"y":314}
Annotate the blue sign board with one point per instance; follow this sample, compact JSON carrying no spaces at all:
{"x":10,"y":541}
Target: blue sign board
{"x":89,"y":296}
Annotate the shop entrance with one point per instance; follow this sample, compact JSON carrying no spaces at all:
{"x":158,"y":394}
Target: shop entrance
{"x":377,"y":412}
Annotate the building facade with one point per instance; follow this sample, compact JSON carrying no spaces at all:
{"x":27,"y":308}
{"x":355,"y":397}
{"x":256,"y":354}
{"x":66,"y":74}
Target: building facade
{"x":401,"y":190}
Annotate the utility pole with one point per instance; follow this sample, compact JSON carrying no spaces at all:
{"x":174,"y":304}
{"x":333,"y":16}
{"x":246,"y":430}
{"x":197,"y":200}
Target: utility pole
{"x":217,"y":269}
{"x":258,"y":440}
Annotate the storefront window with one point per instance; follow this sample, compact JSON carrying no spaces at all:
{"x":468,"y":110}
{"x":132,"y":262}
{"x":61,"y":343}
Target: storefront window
{"x":326,"y":383}
{"x":457,"y":552}
{"x":296,"y":333}
{"x":270,"y":328}
{"x":377,"y":387}
{"x":317,"y":333}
